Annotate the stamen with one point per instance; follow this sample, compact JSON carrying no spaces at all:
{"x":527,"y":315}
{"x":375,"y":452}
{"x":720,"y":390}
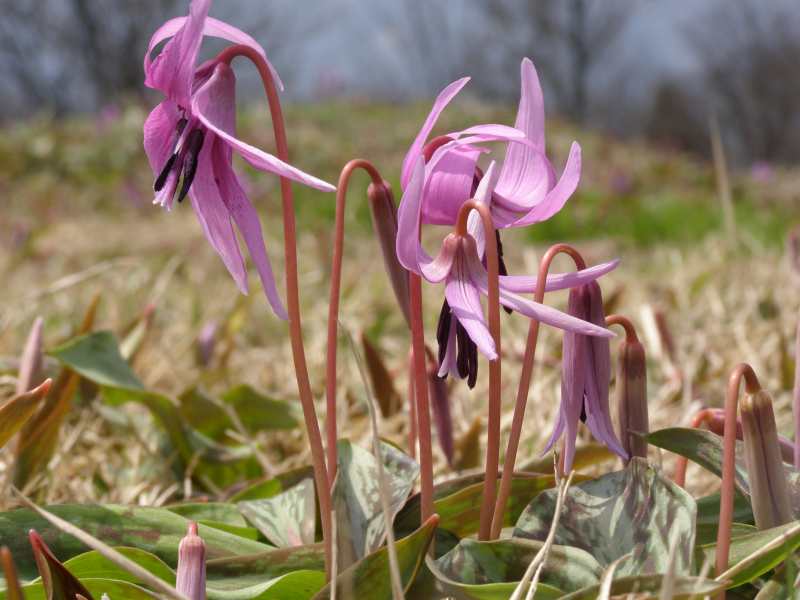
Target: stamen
{"x":164,"y":174}
{"x":472,"y":363}
{"x":462,"y":360}
{"x":194,"y":145}
{"x":501,"y":266}
{"x":443,"y":330}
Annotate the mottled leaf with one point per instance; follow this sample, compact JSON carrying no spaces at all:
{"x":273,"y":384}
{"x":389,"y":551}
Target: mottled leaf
{"x":288,"y":519}
{"x":635,"y":511}
{"x":369,"y":578}
{"x":751,"y":555}
{"x":221,"y":512}
{"x":116,"y":590}
{"x":154,"y":530}
{"x":361,"y":525}
{"x":587,"y":455}
{"x":648,"y":587}
{"x":273,"y":486}
{"x":708,"y":517}
{"x":493,"y":569}
{"x":16,"y":411}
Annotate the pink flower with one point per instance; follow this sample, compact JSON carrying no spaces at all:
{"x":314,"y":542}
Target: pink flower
{"x":585,"y":378}
{"x":190,"y":137}
{"x":460,"y":267}
{"x":527,"y":189}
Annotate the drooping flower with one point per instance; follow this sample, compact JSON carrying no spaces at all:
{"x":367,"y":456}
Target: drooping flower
{"x":459,"y":266}
{"x":585,"y":378}
{"x":527,"y":189}
{"x":190,"y":137}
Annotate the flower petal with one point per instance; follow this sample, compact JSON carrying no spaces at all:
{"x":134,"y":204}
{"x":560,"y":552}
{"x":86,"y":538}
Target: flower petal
{"x":246,"y":218}
{"x":448,"y":366}
{"x":171,"y":72}
{"x":212,"y":28}
{"x":448,"y":183}
{"x":159,"y":134}
{"x":214,"y":217}
{"x":483,"y":194}
{"x":522,"y":284}
{"x":463,"y":295}
{"x":212,"y":104}
{"x":415,"y":151}
{"x":408,"y":219}
{"x":558,"y":196}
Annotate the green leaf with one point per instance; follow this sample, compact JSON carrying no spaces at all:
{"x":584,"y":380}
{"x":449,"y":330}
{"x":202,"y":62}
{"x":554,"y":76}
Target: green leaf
{"x":751,"y":555}
{"x":361,"y":525}
{"x":273,"y":486}
{"x":493,"y":569}
{"x":288,"y":519}
{"x":369,"y":578}
{"x":155,"y":530}
{"x":648,"y":587}
{"x":59,"y":583}
{"x":708,"y":517}
{"x":587,"y":455}
{"x":95,"y":566}
{"x":458,"y":504}
{"x":97,"y":357}
{"x":221,"y":512}
{"x":635,"y":511}
{"x":118,"y":590}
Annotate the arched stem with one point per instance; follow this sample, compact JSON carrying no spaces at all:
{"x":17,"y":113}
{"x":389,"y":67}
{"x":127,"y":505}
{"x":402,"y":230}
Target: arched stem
{"x":524,"y":384}
{"x":625,"y":323}
{"x":742,"y":371}
{"x":293,"y":293}
{"x":333,"y":306}
{"x":495,"y":402}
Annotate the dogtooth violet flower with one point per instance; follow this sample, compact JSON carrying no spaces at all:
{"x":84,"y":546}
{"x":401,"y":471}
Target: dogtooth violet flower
{"x":585,"y":378}
{"x":190,"y":138}
{"x":459,"y":266}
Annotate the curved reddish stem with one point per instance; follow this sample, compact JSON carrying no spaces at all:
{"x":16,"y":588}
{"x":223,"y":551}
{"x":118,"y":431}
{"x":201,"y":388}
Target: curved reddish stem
{"x":700,"y":418}
{"x":742,"y":371}
{"x":625,"y":323}
{"x":495,"y":401}
{"x":525,"y":382}
{"x":333,"y":305}
{"x":293,"y":293}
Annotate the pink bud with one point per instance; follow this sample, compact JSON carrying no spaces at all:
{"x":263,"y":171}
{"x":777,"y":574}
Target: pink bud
{"x":191,"y":579}
{"x":30,"y":366}
{"x":632,"y":397}
{"x":384,"y":222}
{"x":769,"y":493}
{"x":205,"y":343}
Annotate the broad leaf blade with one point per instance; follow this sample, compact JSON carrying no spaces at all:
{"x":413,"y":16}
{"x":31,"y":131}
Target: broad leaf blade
{"x":635,"y":511}
{"x":648,"y":587}
{"x":288,"y":519}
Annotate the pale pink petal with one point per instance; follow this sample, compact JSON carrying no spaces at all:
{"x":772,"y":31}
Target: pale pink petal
{"x":159,"y":134}
{"x":212,"y":28}
{"x":491,"y":132}
{"x":246,"y":218}
{"x":408,"y":220}
{"x":214,"y":217}
{"x":415,"y":151}
{"x":172,"y":71}
{"x":558,"y":196}
{"x":212,"y":104}
{"x":448,"y":183}
{"x":436,"y":270}
{"x":522,"y":284}
{"x":525,"y":184}
{"x":464,"y":298}
{"x":448,"y":366}
{"x":483,"y":194}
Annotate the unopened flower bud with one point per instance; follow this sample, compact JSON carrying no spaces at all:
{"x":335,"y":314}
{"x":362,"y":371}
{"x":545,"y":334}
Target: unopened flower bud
{"x":384,"y":222}
{"x":30,"y":366}
{"x":632,"y":397}
{"x":440,"y":405}
{"x":205,"y":343}
{"x":191,"y":577}
{"x":769,"y":494}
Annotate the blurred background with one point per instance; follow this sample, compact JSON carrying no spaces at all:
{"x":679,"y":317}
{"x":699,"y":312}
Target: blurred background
{"x":631,"y":67}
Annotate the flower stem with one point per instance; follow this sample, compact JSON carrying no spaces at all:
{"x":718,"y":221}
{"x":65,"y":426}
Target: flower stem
{"x":700,"y":418}
{"x":412,"y":408}
{"x":495,"y":380}
{"x":293,"y":293}
{"x":333,"y":306}
{"x":742,"y":371}
{"x":422,"y":400}
{"x":524,"y":384}
{"x":796,"y":399}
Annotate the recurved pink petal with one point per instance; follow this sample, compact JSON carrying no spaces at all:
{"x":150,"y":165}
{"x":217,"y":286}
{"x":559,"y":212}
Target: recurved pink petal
{"x":159,"y":134}
{"x":246,"y":218}
{"x":522,"y":284}
{"x":172,"y":70}
{"x":448,"y":183}
{"x":415,"y":151}
{"x":212,"y":104}
{"x":408,"y":219}
{"x":558,"y":196}
{"x":214,"y":217}
{"x":212,"y":28}
{"x":483,"y":194}
{"x":464,"y":298}
{"x":436,"y":270}
{"x":490,"y":132}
